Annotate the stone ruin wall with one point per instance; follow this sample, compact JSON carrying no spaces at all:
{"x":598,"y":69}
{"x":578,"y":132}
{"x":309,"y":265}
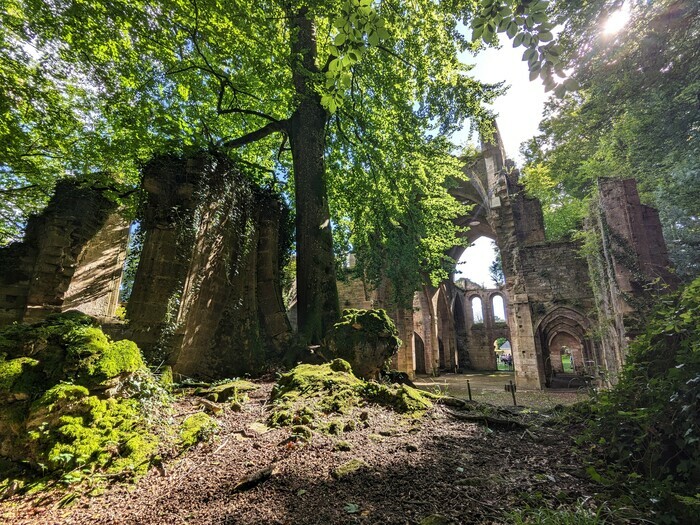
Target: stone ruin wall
{"x":206,"y":297}
{"x":206,"y":294}
{"x":630,"y":261}
{"x":207,"y":300}
{"x":549,"y":298}
{"x":480,"y":337}
{"x":71,"y":257}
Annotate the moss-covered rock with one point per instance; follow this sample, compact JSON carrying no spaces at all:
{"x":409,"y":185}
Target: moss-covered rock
{"x":68,"y":428}
{"x":58,"y":406}
{"x":401,"y":398}
{"x":348,"y":468}
{"x":366,"y":339}
{"x":329,"y":398}
{"x":69,"y":347}
{"x":17,"y":377}
{"x":228,"y":390}
{"x":195,"y":428}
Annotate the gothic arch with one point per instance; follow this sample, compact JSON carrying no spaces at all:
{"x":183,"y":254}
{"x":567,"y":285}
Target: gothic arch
{"x":561,"y":328}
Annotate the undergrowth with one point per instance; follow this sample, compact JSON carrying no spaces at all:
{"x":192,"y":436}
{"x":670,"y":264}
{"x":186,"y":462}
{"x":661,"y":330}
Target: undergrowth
{"x":643,"y":436}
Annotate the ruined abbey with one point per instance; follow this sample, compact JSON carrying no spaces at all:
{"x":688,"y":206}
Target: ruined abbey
{"x":207,"y":298}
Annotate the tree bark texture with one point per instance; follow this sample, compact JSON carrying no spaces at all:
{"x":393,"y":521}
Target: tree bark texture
{"x":317,"y":292}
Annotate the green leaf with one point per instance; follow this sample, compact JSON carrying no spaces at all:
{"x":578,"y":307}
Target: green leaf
{"x":545,"y":36}
{"x":373,"y":39}
{"x":383,"y":33}
{"x":571,"y":84}
{"x":511,"y":30}
{"x":518,"y":39}
{"x":340,"y":39}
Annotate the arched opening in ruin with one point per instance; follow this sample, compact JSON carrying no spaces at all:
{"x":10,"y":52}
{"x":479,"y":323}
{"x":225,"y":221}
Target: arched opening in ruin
{"x":567,"y":352}
{"x":504,"y":354}
{"x":498,"y":308}
{"x":419,"y":354}
{"x":480,"y":263}
{"x":477,"y":310}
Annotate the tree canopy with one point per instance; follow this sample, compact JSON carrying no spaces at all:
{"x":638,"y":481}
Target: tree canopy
{"x":350,"y":99}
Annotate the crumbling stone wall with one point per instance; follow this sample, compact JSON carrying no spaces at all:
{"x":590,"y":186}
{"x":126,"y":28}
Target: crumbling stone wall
{"x":627,"y":259}
{"x":71,"y":257}
{"x":206,"y":296}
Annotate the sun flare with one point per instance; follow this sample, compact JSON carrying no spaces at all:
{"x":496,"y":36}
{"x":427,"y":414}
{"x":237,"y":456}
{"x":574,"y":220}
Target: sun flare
{"x":617,"y":20}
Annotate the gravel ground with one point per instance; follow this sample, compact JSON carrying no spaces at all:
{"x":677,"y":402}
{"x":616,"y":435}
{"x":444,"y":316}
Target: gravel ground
{"x":412,"y":469}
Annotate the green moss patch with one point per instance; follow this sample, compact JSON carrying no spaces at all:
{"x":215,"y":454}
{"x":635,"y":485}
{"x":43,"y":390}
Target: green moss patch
{"x":17,"y":377}
{"x":228,"y":390}
{"x":58,"y":404}
{"x":195,"y":428}
{"x":329,"y":398}
{"x":348,"y":468}
{"x":69,"y":428}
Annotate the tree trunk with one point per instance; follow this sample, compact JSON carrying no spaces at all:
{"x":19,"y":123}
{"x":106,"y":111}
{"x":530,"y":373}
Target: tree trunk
{"x":317,"y":292}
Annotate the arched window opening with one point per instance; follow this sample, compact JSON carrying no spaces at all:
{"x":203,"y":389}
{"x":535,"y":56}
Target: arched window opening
{"x":477,"y":310}
{"x":499,"y":309}
{"x":567,"y":364}
{"x":481,"y":264}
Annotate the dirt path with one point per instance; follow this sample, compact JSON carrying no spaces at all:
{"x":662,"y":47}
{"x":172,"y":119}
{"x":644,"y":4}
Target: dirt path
{"x":437,"y":465}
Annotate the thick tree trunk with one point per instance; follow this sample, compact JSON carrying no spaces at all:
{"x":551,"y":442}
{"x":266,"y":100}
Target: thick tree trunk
{"x":317,"y":292}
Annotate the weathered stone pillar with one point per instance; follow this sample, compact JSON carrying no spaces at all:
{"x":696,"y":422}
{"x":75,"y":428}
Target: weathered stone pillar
{"x":206,"y":296}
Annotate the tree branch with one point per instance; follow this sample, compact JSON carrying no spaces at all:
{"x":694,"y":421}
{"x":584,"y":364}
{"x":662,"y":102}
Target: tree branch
{"x":396,"y":56}
{"x":258,"y":134}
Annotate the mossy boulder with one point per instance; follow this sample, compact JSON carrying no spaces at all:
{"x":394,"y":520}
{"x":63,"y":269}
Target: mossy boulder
{"x":67,"y":428}
{"x":195,"y":428}
{"x":59,"y":408}
{"x":68,"y":347}
{"x":228,"y":390}
{"x":330,"y":398}
{"x":367,"y":339}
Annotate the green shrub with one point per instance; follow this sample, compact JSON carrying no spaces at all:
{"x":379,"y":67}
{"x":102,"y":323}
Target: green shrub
{"x":647,"y":428}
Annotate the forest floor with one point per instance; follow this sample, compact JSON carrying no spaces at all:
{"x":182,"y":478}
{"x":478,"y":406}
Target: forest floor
{"x":436,"y":469}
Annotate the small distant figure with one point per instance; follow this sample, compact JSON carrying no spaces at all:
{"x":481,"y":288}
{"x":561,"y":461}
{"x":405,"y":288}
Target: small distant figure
{"x":507,"y":360}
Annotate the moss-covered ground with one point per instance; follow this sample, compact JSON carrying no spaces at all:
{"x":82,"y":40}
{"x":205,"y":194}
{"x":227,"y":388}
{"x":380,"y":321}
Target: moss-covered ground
{"x":329,"y":398}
